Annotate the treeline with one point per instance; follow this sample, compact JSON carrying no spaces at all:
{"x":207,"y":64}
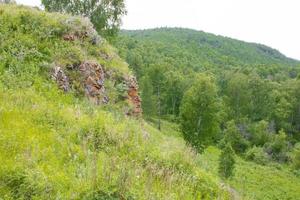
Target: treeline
{"x":221,"y":90}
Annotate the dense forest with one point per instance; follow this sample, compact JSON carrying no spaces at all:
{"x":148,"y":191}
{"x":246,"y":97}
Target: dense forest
{"x":219,"y":89}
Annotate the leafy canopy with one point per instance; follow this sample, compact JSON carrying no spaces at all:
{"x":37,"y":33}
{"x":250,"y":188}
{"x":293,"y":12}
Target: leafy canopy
{"x":199,"y":112}
{"x":104,"y":14}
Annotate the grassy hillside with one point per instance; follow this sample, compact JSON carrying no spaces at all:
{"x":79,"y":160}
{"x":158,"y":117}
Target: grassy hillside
{"x":59,"y":145}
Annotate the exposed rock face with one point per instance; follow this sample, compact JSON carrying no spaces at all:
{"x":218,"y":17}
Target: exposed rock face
{"x":60,"y":77}
{"x":93,"y":80}
{"x":133,"y":96}
{"x":92,"y":77}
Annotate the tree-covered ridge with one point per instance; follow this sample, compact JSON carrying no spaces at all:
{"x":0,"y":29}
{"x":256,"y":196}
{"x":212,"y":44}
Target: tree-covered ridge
{"x":199,"y":50}
{"x":219,"y":89}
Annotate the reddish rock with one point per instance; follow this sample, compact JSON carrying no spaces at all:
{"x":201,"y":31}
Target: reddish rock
{"x":133,"y":97}
{"x":93,"y":80}
{"x":69,"y":37}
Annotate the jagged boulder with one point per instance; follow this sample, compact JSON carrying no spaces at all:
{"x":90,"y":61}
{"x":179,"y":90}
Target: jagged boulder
{"x":93,"y":80}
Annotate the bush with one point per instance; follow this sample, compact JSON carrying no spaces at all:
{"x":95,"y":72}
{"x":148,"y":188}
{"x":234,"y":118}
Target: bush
{"x":296,"y":157}
{"x":257,"y":155}
{"x":226,"y":162}
{"x":261,"y":135}
{"x":233,"y":136}
{"x":278,"y":147}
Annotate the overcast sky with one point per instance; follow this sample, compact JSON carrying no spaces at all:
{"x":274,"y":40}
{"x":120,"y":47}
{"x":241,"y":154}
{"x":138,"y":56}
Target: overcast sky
{"x":275,"y":23}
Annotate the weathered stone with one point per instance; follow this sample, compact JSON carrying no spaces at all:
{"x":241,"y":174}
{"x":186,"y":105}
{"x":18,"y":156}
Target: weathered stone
{"x":69,"y":37}
{"x":93,"y":80}
{"x":133,"y":96}
{"x":62,"y":80}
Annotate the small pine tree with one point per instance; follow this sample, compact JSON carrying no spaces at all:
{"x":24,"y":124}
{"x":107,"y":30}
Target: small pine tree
{"x":226,"y":162}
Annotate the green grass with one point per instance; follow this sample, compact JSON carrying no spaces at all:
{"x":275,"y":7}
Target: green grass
{"x":55,"y":145}
{"x":254,"y":181}
{"x":52,"y":146}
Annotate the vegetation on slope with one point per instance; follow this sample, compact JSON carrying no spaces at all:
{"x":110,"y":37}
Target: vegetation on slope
{"x":224,"y":92}
{"x":254,"y":181}
{"x":197,"y":50}
{"x":57,"y":145}
{"x":256,"y":91}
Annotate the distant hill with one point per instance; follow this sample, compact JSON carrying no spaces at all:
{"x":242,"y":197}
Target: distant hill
{"x":200,"y":50}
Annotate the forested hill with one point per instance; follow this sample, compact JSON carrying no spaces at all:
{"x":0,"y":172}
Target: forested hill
{"x":200,"y":50}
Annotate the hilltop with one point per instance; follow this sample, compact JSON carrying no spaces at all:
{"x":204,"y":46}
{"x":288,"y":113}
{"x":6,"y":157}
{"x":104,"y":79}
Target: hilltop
{"x":200,"y":51}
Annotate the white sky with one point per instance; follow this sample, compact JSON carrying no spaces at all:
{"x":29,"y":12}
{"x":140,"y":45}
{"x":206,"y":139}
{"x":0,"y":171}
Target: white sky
{"x":275,"y":23}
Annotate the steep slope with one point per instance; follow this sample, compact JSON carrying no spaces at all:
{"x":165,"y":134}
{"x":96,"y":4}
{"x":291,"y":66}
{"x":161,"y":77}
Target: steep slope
{"x":64,"y":132}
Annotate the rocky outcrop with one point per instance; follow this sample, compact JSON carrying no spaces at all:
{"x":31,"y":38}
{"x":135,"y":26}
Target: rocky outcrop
{"x":93,"y":74}
{"x":133,"y":97}
{"x":93,"y":80}
{"x":91,"y":77}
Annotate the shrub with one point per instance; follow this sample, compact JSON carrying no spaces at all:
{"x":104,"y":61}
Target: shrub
{"x":257,"y":155}
{"x":260,"y":135}
{"x":296,"y":157}
{"x":234,"y":137}
{"x":226,"y":162}
{"x":278,"y":147}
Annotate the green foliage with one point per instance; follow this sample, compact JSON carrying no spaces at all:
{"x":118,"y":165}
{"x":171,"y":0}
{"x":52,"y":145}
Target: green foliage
{"x":261,"y":134}
{"x":296,"y":156}
{"x":56,"y":145}
{"x":278,"y":147}
{"x":256,"y":85}
{"x":237,"y":93}
{"x":146,"y":95}
{"x":257,"y":155}
{"x":233,"y":137}
{"x":249,"y":178}
{"x":226,"y":162}
{"x":199,"y":112}
{"x":105,"y":15}
{"x":70,"y":149}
